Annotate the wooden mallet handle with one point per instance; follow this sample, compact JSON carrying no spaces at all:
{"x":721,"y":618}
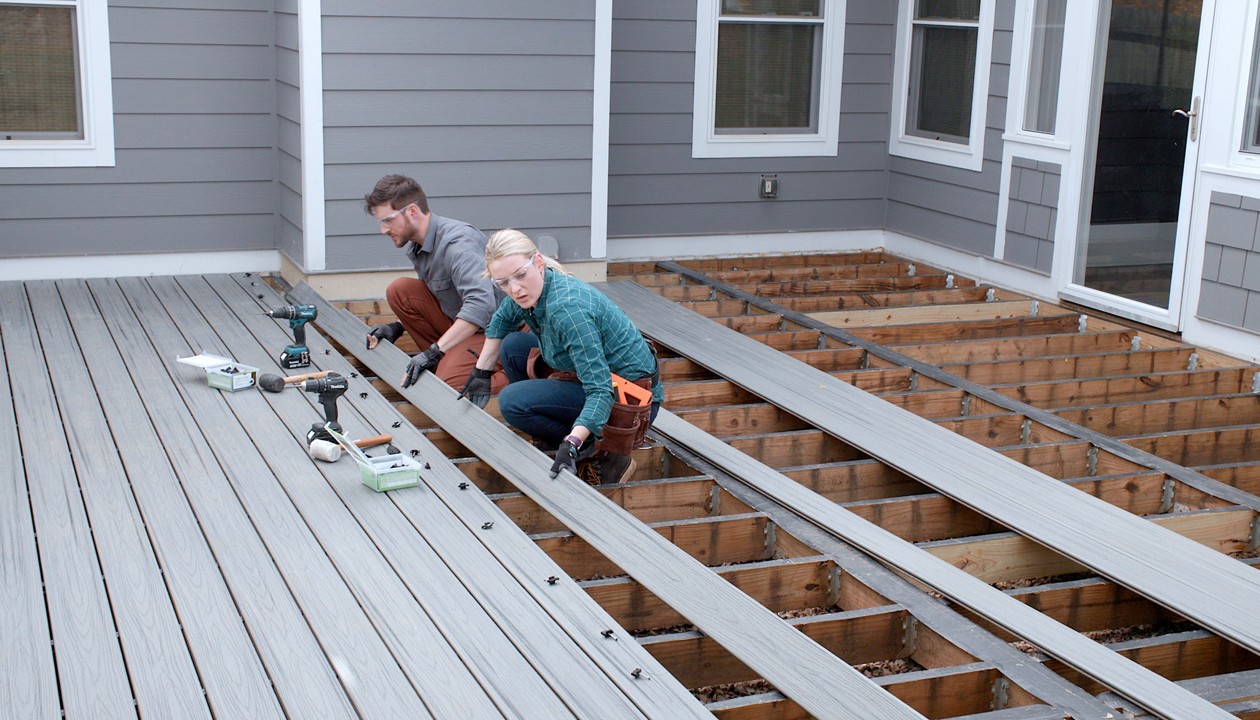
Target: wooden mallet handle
{"x":373,"y":441}
{"x":289,"y":380}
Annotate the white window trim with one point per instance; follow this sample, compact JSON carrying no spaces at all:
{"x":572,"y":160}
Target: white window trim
{"x":705,"y":143}
{"x":97,"y":146}
{"x":971,"y":155}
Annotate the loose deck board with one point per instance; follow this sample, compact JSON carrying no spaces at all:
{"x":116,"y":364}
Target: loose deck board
{"x":804,"y":671}
{"x":1212,"y":589}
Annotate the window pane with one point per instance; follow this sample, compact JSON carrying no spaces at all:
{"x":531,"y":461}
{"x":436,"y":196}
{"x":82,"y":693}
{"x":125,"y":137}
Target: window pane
{"x":765,"y":77}
{"x":39,"y":90}
{"x":794,"y":8}
{"x":943,"y":66}
{"x":1251,"y":138}
{"x":1044,"y":61}
{"x":947,"y":10}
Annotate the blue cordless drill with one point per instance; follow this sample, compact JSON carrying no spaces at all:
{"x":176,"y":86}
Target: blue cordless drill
{"x":296,"y":354}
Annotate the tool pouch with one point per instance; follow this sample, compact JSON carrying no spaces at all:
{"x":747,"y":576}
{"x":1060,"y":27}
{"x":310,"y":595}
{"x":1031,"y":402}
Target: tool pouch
{"x":627,"y":425}
{"x":537,"y":369}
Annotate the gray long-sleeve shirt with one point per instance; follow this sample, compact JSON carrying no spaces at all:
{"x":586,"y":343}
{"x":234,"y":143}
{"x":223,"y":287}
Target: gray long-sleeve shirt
{"x":452,"y":263}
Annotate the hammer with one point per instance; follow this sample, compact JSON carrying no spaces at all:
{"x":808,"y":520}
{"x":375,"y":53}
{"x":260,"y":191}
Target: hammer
{"x":331,"y":452}
{"x":275,"y":383}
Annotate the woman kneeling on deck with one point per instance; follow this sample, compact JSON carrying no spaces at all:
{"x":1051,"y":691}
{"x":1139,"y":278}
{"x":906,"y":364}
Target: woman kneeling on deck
{"x":561,"y":375}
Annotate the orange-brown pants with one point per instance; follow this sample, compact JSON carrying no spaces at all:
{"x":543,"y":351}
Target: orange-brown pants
{"x":422,"y":317}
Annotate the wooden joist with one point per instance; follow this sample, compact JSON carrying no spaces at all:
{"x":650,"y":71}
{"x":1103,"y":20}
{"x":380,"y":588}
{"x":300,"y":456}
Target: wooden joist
{"x":872,"y":344}
{"x":797,"y":666}
{"x":1183,"y":572}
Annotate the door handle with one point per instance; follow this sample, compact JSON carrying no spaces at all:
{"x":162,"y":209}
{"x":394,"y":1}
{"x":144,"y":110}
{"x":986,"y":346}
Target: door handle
{"x":1193,"y":116}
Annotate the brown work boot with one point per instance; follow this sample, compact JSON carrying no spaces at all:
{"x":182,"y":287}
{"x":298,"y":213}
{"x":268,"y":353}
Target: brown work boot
{"x":615,"y":468}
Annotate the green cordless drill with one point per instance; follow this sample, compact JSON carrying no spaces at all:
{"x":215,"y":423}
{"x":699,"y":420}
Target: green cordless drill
{"x":295,"y":355}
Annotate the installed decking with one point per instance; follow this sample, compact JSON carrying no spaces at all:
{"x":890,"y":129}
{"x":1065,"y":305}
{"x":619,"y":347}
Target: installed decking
{"x":170,"y":550}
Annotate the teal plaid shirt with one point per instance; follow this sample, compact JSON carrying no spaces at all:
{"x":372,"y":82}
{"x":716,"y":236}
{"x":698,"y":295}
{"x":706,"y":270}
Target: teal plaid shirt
{"x":580,"y":329}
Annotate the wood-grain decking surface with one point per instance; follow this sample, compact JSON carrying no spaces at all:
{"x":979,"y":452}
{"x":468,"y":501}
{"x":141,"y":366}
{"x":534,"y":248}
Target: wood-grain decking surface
{"x":170,"y":550}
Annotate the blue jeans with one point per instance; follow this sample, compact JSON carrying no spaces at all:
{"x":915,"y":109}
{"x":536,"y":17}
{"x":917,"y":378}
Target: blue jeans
{"x":543,"y":409}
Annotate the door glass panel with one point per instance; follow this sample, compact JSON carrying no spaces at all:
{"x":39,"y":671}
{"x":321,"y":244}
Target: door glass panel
{"x":1128,"y":250}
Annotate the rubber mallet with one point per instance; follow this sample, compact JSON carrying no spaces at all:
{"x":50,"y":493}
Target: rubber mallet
{"x":275,"y":383}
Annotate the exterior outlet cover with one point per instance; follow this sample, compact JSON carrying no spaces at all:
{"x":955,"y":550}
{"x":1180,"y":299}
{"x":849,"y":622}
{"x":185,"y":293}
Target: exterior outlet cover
{"x":769,"y":187}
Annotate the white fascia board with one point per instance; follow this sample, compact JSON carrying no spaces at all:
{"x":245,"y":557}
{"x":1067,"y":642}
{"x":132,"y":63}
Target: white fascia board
{"x":103,"y":266}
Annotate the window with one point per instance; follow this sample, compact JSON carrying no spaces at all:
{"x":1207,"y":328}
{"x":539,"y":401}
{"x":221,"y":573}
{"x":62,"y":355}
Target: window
{"x":942,"y":79}
{"x":767,"y":77}
{"x":56,"y":107}
{"x":1251,"y":133}
{"x":1045,"y":61}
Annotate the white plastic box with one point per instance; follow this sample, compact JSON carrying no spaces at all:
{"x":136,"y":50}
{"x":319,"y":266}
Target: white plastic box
{"x":384,"y":473}
{"x":224,"y":373}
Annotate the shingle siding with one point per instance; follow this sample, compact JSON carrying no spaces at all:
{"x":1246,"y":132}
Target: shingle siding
{"x":1230,"y":291}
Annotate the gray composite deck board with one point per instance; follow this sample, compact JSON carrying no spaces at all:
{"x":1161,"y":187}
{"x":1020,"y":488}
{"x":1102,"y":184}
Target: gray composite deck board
{"x":28,"y":677}
{"x":1113,"y":670}
{"x":369,"y":672}
{"x":498,"y":566}
{"x":1034,"y":677}
{"x":416,"y":599}
{"x":303,"y":678}
{"x":91,"y":674}
{"x":1044,"y":416}
{"x":160,"y":666}
{"x":226,"y":660}
{"x":1212,"y":589}
{"x":531,"y":635}
{"x":815,"y":679}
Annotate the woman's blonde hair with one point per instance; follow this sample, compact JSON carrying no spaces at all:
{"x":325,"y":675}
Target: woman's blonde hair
{"x":508,"y":242}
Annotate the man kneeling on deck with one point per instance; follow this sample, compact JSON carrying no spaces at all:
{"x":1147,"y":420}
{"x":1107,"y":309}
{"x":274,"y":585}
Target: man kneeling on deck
{"x":446,"y":307}
{"x":561,"y":373}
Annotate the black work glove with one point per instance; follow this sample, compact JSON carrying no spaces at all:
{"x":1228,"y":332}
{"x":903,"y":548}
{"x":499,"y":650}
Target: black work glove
{"x":390,"y":332}
{"x":477,"y":389}
{"x":422,"y":362}
{"x":566,"y":458}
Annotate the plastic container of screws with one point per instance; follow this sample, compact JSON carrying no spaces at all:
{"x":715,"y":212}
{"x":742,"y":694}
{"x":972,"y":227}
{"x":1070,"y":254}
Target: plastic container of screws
{"x":384,"y":472}
{"x":223,"y":373}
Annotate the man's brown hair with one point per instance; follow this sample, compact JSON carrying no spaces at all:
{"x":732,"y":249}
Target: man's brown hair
{"x":397,"y":191}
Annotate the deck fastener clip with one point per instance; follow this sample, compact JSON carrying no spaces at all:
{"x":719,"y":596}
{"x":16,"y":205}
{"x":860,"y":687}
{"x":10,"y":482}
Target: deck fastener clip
{"x":608,"y":634}
{"x":363,"y":396}
{"x":487,"y":525}
{"x":463,"y":486}
{"x":553,"y":580}
{"x":397,"y":424}
{"x":638,"y":673}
